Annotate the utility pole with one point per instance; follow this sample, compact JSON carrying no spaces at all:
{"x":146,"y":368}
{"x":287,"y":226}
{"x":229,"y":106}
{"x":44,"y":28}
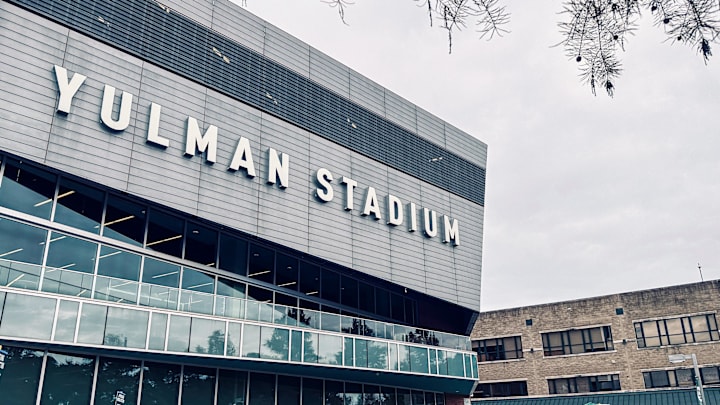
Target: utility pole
{"x":700,"y":270}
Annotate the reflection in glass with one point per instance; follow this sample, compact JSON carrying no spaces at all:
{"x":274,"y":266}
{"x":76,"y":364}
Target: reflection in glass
{"x":330,"y":349}
{"x":161,"y":273}
{"x":393,"y":357}
{"x":286,"y":275}
{"x":262,"y":389}
{"x":207,"y":336}
{"x":349,"y":352}
{"x":296,"y":345}
{"x":92,"y":324}
{"x":377,"y":354}
{"x":161,"y":384}
{"x":67,"y":282}
{"x":115,"y":290}
{"x":27,"y":189}
{"x":418,"y":359}
{"x":117,"y":375}
{"x":455,"y":365}
{"x":165,"y":233}
{"x":20,"y":386}
{"x":433,"y":361}
{"x":403,"y":397}
{"x":67,"y":379}
{"x":429,"y":398}
{"x":310,"y":348}
{"x":288,"y":390}
{"x":21,"y":243}
{"x":198,"y":386}
{"x":233,"y":339}
{"x":275,"y":343}
{"x":389,"y":394}
{"x":126,"y":328}
{"x":158,"y":327}
{"x":200,"y":303}
{"x":330,"y":286}
{"x":231,"y":387}
{"x":361,"y":355}
{"x":79,"y":206}
{"x":230,"y":307}
{"x":124,"y":220}
{"x":66,"y":321}
{"x":19,"y":275}
{"x":251,"y":341}
{"x":334,"y":393}
{"x":198,"y":281}
{"x":418,"y":397}
{"x":442,"y":363}
{"x":330,"y":322}
{"x":404,"y":355}
{"x":158,"y":296}
{"x":309,"y":279}
{"x":353,"y":394}
{"x":119,"y":264}
{"x":179,"y":334}
{"x":66,"y":252}
{"x":27,"y":317}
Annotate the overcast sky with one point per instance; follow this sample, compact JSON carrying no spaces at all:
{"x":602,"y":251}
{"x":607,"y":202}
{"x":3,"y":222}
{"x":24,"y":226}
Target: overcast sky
{"x":585,"y":195}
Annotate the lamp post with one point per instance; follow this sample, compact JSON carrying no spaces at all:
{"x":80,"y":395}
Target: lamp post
{"x":679,"y":358}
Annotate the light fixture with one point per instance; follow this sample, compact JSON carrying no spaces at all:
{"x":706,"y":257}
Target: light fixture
{"x":199,"y":285}
{"x":679,"y":358}
{"x":117,"y":252}
{"x":165,"y":274}
{"x":164,"y":240}
{"x":287,"y":284}
{"x":119,"y":220}
{"x":311,"y":293}
{"x":65,"y":194}
{"x":259,"y":273}
{"x":11,"y":252}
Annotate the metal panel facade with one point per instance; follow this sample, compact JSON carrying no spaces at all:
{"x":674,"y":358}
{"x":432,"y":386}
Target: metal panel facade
{"x":294,"y":216}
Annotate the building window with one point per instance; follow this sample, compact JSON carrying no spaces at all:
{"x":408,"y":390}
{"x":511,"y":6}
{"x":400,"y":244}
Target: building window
{"x":575,"y":341}
{"x":501,"y":389}
{"x":575,"y":385}
{"x":681,"y":377}
{"x":498,"y":349}
{"x":674,"y":331}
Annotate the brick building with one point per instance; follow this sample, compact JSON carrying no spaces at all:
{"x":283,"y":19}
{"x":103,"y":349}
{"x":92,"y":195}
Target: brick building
{"x":613,"y":343}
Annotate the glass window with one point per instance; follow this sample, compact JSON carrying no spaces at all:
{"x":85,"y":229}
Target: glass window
{"x":390,"y":395}
{"x":710,"y":375}
{"x":124,"y":220}
{"x":334,"y":393}
{"x":310,"y":351}
{"x":19,"y":275}
{"x":377,"y":354}
{"x":165,"y":233}
{"x":251,"y":341}
{"x":66,"y":252}
{"x":67,"y":282}
{"x":419,"y":360}
{"x":361,"y":353}
{"x":117,"y":376}
{"x":67,"y":379}
{"x":21,"y":243}
{"x":119,"y":264}
{"x":382,"y":302}
{"x":79,"y":206}
{"x":231,"y":387}
{"x":126,"y":328}
{"x":179,"y":334}
{"x":349,"y":291}
{"x":312,"y":391}
{"x":349,"y":348}
{"x":455,"y":364}
{"x":330,"y":322}
{"x":403,"y":397}
{"x":161,"y":384}
{"x":288,"y":390}
{"x":27,"y":189}
{"x":66,"y":321}
{"x":262,"y":389}
{"x":353,"y":394}
{"x":161,"y":273}
{"x":158,"y":296}
{"x":296,"y":345}
{"x":233,"y":254}
{"x":201,"y":244}
{"x":198,"y":386}
{"x":197,"y":281}
{"x":27,"y":317}
{"x":330,"y":286}
{"x":330,"y":349}
{"x":367,"y":297}
{"x":309,"y":279}
{"x":207,"y":336}
{"x":262,"y":263}
{"x":158,"y":327}
{"x":233,"y":339}
{"x":115,"y":290}
{"x":20,"y":385}
{"x":397,"y":307}
{"x":274,"y":343}
{"x":418,"y":397}
{"x":287,"y":272}
{"x":92,"y":324}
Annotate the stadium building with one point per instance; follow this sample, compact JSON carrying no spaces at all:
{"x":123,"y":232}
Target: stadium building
{"x":197,"y":208}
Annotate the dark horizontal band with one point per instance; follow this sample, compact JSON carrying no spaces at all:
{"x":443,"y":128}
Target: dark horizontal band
{"x":181,"y":45}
